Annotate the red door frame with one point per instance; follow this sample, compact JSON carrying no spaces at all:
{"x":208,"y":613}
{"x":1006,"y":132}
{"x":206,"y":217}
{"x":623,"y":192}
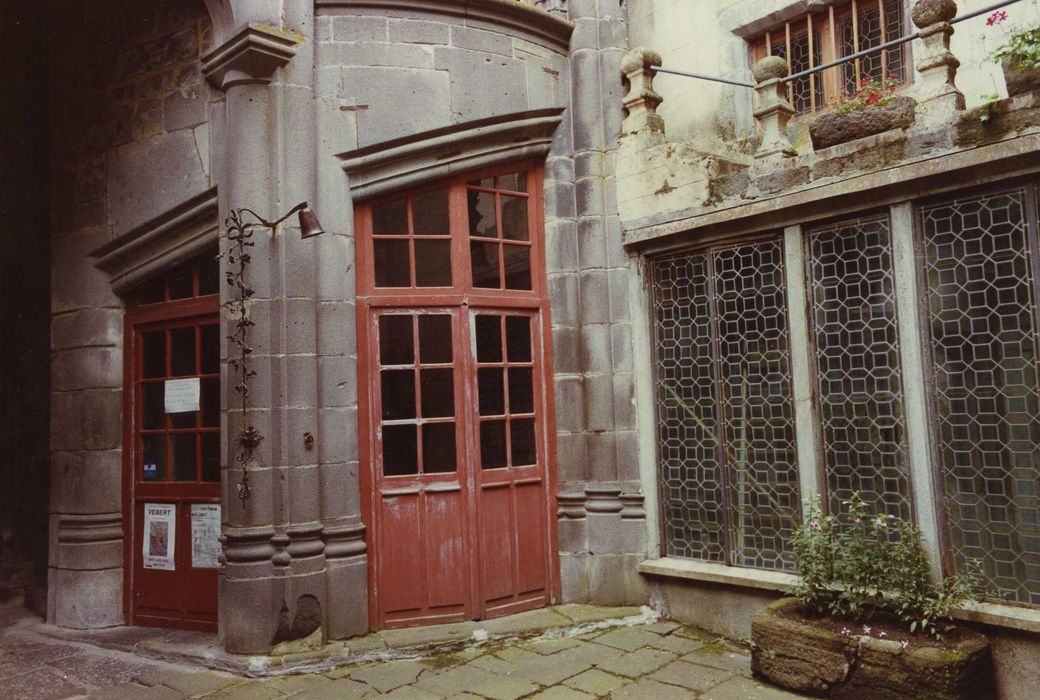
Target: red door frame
{"x":462,"y":300}
{"x":137,"y":319}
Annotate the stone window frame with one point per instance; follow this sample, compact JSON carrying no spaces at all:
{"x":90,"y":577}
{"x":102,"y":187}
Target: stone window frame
{"x":824,"y":18}
{"x":904,"y":215}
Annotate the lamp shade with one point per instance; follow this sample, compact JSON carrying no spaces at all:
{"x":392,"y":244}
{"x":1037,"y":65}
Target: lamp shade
{"x":309,"y":224}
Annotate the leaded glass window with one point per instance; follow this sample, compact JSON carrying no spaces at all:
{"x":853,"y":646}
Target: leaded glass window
{"x":980,"y":274}
{"x":726,"y":426}
{"x":858,"y":377}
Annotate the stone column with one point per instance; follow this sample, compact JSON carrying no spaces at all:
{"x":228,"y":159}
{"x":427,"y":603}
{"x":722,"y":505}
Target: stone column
{"x":274,"y":587}
{"x":937,"y":95}
{"x":773,"y":111}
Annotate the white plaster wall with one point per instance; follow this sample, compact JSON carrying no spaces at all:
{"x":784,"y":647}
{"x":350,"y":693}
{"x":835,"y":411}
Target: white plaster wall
{"x":688,"y":37}
{"x":979,"y":75}
{"x":697,"y":36}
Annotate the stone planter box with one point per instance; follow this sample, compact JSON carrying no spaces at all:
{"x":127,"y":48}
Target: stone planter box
{"x":830,"y":128}
{"x":1019,"y":81}
{"x":794,"y":652}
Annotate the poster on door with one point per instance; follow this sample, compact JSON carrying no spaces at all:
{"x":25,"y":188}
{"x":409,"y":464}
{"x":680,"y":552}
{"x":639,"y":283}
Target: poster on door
{"x":160,"y":534}
{"x":205,"y":531}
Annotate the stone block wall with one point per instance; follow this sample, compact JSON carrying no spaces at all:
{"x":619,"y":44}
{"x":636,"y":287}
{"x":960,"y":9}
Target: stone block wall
{"x":399,"y":71}
{"x":129,"y":140}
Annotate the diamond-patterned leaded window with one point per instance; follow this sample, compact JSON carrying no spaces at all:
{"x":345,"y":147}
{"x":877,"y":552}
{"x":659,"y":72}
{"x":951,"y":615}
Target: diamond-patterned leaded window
{"x":859,"y":383}
{"x":726,"y":426}
{"x":980,"y":273}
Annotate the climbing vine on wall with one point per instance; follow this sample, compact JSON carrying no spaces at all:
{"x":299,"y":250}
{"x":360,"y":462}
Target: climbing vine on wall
{"x":239,"y":258}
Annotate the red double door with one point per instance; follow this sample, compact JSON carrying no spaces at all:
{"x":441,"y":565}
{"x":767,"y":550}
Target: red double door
{"x":456,"y":434}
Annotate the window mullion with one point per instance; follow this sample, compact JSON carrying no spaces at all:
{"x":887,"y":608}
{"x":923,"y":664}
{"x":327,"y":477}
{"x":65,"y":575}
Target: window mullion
{"x":807,"y":440}
{"x":915,"y":385}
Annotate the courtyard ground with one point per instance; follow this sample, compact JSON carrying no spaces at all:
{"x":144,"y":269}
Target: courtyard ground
{"x":563,"y":653}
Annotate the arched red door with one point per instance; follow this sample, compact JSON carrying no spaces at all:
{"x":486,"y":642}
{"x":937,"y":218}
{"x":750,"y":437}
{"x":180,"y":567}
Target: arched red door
{"x":456,"y":428}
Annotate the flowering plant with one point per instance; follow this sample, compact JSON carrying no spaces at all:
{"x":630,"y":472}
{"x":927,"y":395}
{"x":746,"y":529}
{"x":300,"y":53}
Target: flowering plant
{"x":1022,"y":46}
{"x":858,"y":564}
{"x":869,"y":93}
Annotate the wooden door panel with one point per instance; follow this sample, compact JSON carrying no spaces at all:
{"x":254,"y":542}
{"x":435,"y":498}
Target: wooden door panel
{"x":531,"y":537}
{"x":445,"y":550}
{"x":496,"y":542}
{"x":401,"y":574}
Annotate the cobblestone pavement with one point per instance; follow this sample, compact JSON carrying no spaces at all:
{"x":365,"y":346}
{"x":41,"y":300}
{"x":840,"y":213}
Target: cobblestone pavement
{"x":659,"y":660}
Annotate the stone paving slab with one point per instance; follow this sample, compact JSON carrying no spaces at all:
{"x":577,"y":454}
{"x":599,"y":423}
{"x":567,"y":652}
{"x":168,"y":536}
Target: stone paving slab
{"x":601,"y":658}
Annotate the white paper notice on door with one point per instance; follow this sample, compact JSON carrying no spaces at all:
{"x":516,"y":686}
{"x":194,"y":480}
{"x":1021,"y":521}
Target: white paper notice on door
{"x":160,"y":534}
{"x":205,"y":529}
{"x":182,"y":395}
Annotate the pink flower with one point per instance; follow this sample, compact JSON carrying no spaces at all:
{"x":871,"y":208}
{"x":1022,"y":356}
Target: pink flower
{"x":904,"y":644}
{"x":882,"y":633}
{"x":857,"y":521}
{"x":845,"y":631}
{"x":996,"y":18}
{"x":866,"y":630}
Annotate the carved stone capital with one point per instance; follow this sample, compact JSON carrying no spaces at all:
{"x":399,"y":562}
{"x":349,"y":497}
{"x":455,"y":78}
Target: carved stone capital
{"x":250,"y":56}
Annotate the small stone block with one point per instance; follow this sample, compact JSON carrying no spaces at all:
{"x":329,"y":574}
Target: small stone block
{"x":690,"y":676}
{"x":596,"y":682}
{"x":627,"y":638}
{"x":744,"y":688}
{"x":647,"y":688}
{"x":638,"y":663}
{"x":388,"y":675}
{"x":505,"y":688}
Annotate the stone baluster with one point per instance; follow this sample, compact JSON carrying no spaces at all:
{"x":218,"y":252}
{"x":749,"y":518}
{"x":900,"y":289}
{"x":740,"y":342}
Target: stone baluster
{"x":774,"y":110}
{"x":935,"y":89}
{"x":642,"y":101}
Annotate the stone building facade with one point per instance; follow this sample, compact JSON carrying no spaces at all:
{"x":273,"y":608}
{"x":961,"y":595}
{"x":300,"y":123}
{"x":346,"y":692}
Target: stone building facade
{"x":515,"y":177}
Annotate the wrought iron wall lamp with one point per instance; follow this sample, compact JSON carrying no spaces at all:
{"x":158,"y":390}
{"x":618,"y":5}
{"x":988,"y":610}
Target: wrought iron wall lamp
{"x":239,"y":233}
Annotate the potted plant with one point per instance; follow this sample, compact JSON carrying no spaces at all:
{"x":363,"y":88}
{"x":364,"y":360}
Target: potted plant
{"x":866,"y":620}
{"x":872,"y":108}
{"x":1019,"y":56}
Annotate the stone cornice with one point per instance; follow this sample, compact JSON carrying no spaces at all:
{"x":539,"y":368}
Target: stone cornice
{"x":250,"y":56}
{"x":433,"y":155}
{"x":924,"y":176}
{"x":180,"y":234}
{"x":507,"y":16}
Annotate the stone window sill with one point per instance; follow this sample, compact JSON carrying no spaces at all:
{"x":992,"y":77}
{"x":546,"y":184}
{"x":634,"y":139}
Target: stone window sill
{"x":994,"y":614}
{"x":710,"y":572}
{"x":1001,"y":615}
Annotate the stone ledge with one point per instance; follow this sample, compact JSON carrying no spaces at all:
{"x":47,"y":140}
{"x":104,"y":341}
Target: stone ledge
{"x":1001,"y":615}
{"x":930,"y":174}
{"x":507,"y":16}
{"x":709,"y":572}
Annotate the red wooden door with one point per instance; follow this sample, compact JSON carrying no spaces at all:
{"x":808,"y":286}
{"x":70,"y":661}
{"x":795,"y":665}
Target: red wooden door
{"x":172,"y":449}
{"x":456,"y":435}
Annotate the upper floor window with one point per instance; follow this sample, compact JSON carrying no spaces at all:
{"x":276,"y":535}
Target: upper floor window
{"x":842,"y":30}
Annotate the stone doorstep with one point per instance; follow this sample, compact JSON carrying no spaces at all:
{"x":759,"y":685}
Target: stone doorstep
{"x":203,"y":649}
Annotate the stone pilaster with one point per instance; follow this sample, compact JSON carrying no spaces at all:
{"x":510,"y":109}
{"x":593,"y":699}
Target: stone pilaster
{"x":275,"y":582}
{"x":937,"y":95}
